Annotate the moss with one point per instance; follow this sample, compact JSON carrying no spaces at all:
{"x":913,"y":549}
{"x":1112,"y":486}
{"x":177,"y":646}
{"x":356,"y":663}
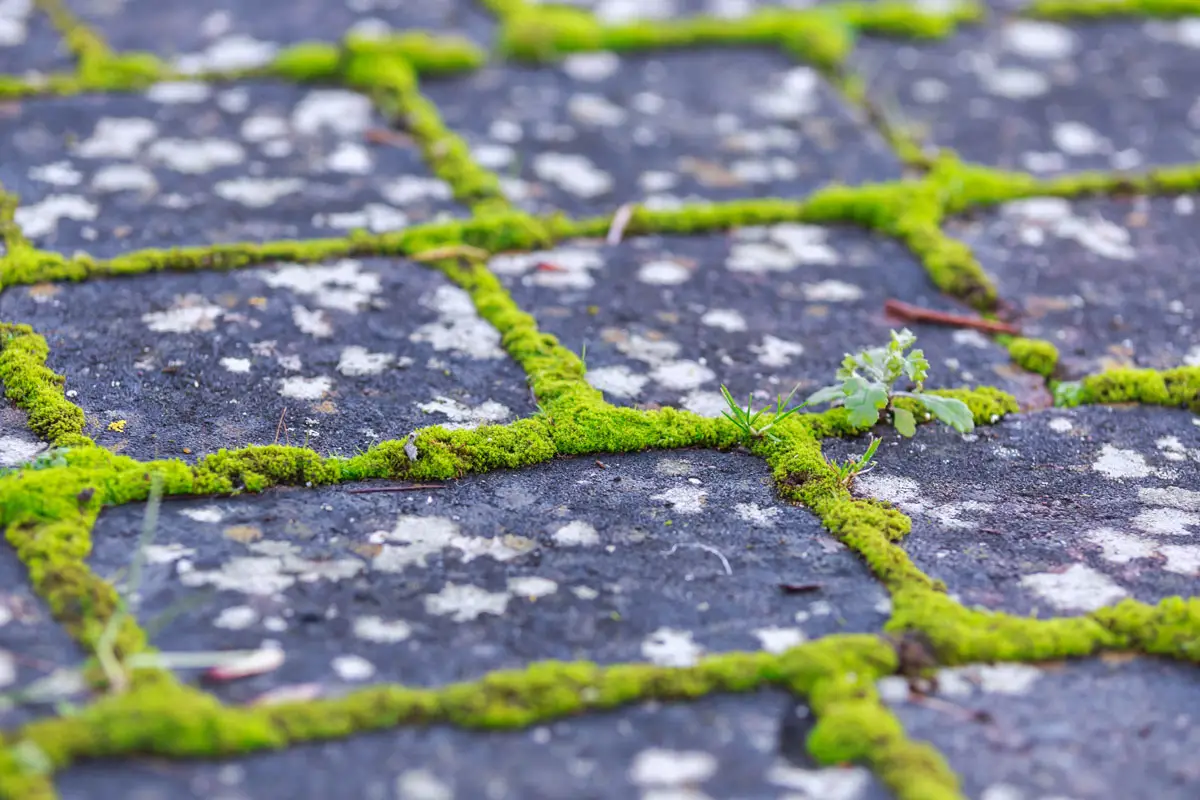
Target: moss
{"x":1075,"y":9}
{"x":21,"y":780}
{"x":1035,"y":355}
{"x":36,"y":389}
{"x":1179,"y":387}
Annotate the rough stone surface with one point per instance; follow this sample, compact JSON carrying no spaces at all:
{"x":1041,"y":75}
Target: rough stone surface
{"x":662,"y":129}
{"x":193,"y":164}
{"x":28,"y":42}
{"x":1110,"y":727}
{"x":566,"y":561}
{"x":338,"y":356}
{"x":1052,"y":513}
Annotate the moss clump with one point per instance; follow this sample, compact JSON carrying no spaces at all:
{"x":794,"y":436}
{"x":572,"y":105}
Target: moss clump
{"x":1075,"y":9}
{"x":1179,"y":387}
{"x":1035,"y":355}
{"x":36,"y":389}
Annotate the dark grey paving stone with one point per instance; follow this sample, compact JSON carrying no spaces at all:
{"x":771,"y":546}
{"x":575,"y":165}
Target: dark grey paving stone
{"x":1045,"y":97}
{"x":562,"y":561}
{"x":335,"y":356}
{"x":33,"y":649}
{"x":1107,"y":281}
{"x":716,"y":747}
{"x":28,"y":42}
{"x":1089,"y":730}
{"x":600,"y":129}
{"x":191,"y":164}
{"x":1052,"y":513}
{"x":227,"y":34}
{"x":667,"y":320}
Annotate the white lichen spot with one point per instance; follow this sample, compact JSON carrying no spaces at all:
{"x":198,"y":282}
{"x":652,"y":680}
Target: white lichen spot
{"x":117,"y":137}
{"x":682,"y":375}
{"x":1183,"y":559}
{"x":384,"y":631}
{"x":209,"y":514}
{"x":236,"y":365}
{"x":353,"y":668}
{"x":1114,"y":462}
{"x":1078,"y":139}
{"x":458,"y":329}
{"x":231,"y":53}
{"x":532,"y":587}
{"x":124,"y":178}
{"x":15,"y":450}
{"x":671,"y":648}
{"x":590,"y":66}
{"x":594,"y":109}
{"x":618,"y":381}
{"x":661,"y":767}
{"x":1040,"y":40}
{"x":1015,"y":83}
{"x":375,"y":217}
{"x":8,"y":671}
{"x":300,"y":388}
{"x":1172,"y":496}
{"x":341,"y":286}
{"x":196,"y":156}
{"x":778,"y":640}
{"x":705,"y":404}
{"x":183,"y":319}
{"x":572,"y":173}
{"x":314,"y":323}
{"x":274,"y":567}
{"x":41,"y":219}
{"x":663,"y":273}
{"x":727,"y":319}
{"x":1166,"y":521}
{"x":349,"y":158}
{"x":421,"y":784}
{"x":356,"y":361}
{"x":683,"y":499}
{"x":577,"y":533}
{"x":335,"y":110}
{"x":970,"y":338}
{"x":756,"y":515}
{"x":570,"y":267}
{"x":1118,"y":547}
{"x":1060,"y":425}
{"x":60,"y":173}
{"x":830,"y":783}
{"x":464,"y":416}
{"x":1010,"y":679}
{"x":791,"y":98}
{"x":257,"y":192}
{"x":832,"y":291}
{"x":236,"y":618}
{"x":414,"y":539}
{"x":776,"y":352}
{"x":1079,"y":588}
{"x":176,"y":92}
{"x":415,"y":189}
{"x":464,"y":602}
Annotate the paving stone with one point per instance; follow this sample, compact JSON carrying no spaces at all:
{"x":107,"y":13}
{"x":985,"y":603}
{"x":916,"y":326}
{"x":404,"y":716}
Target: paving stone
{"x":1047,"y":98}
{"x":714,"y":747}
{"x":338,"y":356}
{"x":1111,"y":727}
{"x":565,"y":561}
{"x":28,"y":42}
{"x":1054,"y":513}
{"x":192,"y":164}
{"x":667,"y":320}
{"x":17,"y":443}
{"x":600,"y":130}
{"x":1107,"y":281}
{"x":227,"y":34}
{"x":33,"y":648}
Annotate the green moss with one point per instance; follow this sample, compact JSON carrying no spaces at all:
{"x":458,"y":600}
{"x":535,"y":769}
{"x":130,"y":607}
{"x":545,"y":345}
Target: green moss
{"x":1074,"y":9}
{"x":36,"y":389}
{"x":1035,"y":355}
{"x":1179,"y":387}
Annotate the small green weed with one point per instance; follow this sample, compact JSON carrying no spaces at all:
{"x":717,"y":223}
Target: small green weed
{"x":748,"y":421}
{"x":852,"y":467}
{"x":866,"y":388}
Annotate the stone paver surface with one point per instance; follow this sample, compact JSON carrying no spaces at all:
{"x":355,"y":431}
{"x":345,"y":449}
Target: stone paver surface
{"x":362,"y":431}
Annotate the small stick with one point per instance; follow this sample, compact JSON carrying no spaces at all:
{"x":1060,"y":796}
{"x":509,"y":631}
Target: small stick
{"x":385,"y":136}
{"x":279,"y":427}
{"x":800,"y":588}
{"x":911,"y":313}
{"x":416,"y":487}
{"x":620,"y":219}
{"x":451,"y":251}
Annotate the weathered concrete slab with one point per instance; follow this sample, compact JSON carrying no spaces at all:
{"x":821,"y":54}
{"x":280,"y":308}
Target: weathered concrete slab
{"x":227,"y":34}
{"x":566,"y":561}
{"x":1046,"y":98}
{"x":732,"y":746}
{"x":667,"y":320}
{"x":1110,"y":727}
{"x":336,"y":356}
{"x":1107,"y":281}
{"x":17,"y":442}
{"x":191,"y":164}
{"x":600,"y":130}
{"x":1053,"y":513}
{"x":33,"y":649}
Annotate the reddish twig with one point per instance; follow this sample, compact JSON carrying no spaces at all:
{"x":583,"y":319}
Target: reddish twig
{"x":911,"y":313}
